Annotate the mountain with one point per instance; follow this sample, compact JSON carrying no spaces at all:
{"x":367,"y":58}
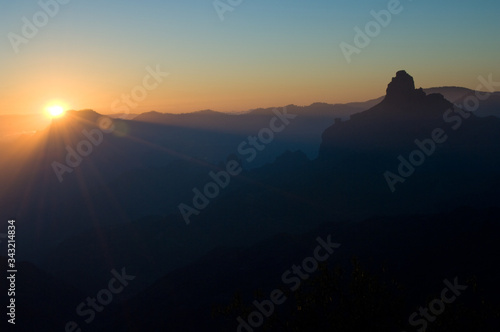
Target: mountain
{"x":396,"y":174}
{"x":77,"y":155}
{"x":488,"y":107}
{"x":124,"y":116}
{"x":293,"y":194}
{"x":252,"y":120}
{"x":136,"y":168}
{"x":420,"y":146}
{"x":421,"y":261}
{"x":113,"y":170}
{"x":403,"y":112}
{"x":303,"y":133}
{"x":12,"y":126}
{"x":421,"y":241}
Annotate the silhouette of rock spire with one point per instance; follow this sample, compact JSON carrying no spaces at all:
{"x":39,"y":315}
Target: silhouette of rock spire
{"x":402,"y":89}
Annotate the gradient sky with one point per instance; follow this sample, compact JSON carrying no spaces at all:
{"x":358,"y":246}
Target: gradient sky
{"x":264,"y":54}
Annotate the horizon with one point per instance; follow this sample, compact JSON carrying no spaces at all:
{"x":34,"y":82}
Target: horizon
{"x":38,"y":122}
{"x":43,"y":112}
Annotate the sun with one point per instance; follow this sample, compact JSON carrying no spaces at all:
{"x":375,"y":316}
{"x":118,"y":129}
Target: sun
{"x":55,"y":111}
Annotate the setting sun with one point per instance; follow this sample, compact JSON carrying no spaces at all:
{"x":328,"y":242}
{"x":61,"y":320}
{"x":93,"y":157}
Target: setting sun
{"x":55,"y":111}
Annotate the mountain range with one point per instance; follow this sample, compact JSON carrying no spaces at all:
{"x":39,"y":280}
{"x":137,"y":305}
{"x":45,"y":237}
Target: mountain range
{"x":409,"y":181}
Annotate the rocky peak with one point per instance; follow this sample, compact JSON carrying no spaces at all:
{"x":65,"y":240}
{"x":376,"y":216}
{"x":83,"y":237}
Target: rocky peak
{"x":402,"y":89}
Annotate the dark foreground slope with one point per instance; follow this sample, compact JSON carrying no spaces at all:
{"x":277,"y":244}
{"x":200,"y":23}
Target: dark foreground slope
{"x":384,"y":269}
{"x":420,"y":224}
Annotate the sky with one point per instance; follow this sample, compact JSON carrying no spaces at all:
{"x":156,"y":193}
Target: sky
{"x":91,"y":54}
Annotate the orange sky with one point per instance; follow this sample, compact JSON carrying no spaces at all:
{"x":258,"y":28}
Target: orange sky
{"x":260,"y":56}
